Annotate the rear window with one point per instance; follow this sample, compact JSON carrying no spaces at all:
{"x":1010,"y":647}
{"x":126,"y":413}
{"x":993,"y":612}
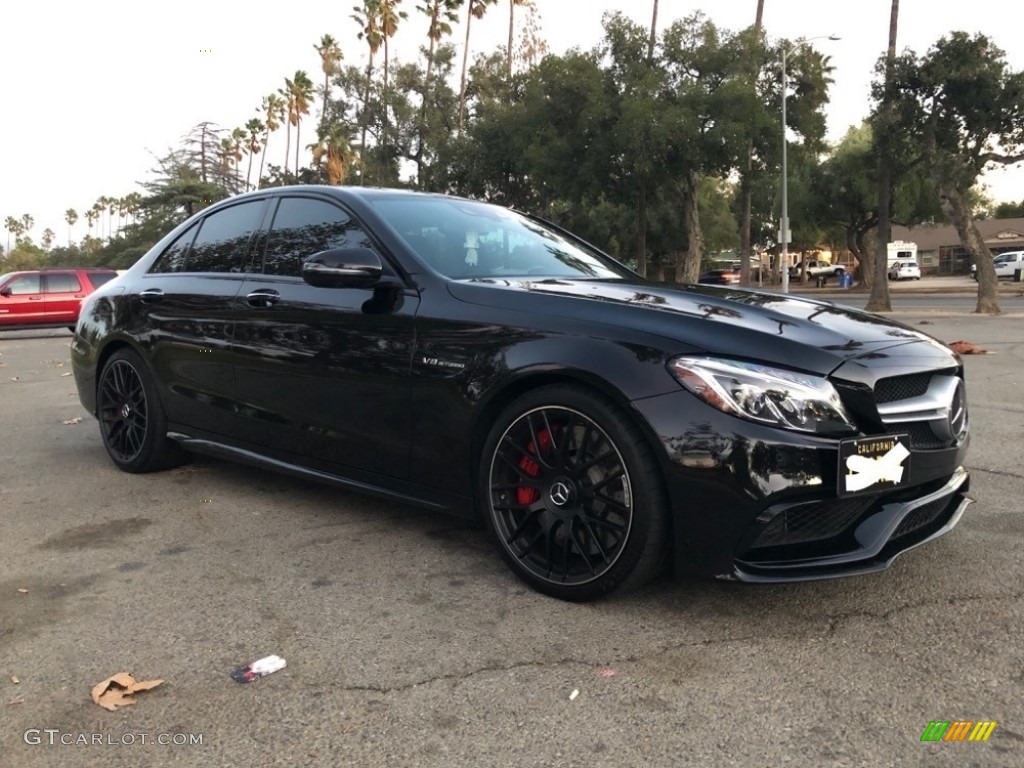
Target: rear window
{"x":101,"y":278}
{"x":63,"y":282}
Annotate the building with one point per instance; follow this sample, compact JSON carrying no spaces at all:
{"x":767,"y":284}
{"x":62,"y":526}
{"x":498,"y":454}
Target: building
{"x":939,"y":251}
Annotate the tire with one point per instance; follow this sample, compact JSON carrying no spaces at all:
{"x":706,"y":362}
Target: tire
{"x":132,"y":420}
{"x":570,"y":489}
{"x":71,"y":328}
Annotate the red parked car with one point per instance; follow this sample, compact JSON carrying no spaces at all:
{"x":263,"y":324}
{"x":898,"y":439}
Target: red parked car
{"x":47,"y":298}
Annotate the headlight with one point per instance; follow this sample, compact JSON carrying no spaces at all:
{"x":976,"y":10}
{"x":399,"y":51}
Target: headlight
{"x":773,"y":396}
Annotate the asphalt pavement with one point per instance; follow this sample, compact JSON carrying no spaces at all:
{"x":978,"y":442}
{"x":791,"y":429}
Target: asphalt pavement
{"x":408,"y":643}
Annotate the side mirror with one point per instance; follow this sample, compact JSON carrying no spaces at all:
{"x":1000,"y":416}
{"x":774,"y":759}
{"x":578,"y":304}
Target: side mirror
{"x":343,"y":268}
{"x":5,"y":291}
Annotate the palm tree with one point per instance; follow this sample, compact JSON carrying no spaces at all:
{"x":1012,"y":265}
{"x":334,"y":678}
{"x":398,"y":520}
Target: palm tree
{"x":512,"y":26}
{"x":441,"y":15}
{"x":47,"y":239}
{"x":334,"y":147}
{"x":27,"y":222}
{"x":273,"y":110}
{"x":287,"y":95}
{"x":70,"y":216}
{"x":133,"y":204}
{"x":302,"y":94}
{"x":13,"y":226}
{"x":389,"y":18}
{"x":90,"y":216}
{"x":252,"y":144}
{"x":368,"y":18}
{"x":476,"y":8}
{"x":330,"y":62}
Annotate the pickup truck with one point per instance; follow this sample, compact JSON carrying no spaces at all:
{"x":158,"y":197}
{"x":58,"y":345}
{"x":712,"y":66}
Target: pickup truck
{"x":1006,"y":264}
{"x":816,"y":269}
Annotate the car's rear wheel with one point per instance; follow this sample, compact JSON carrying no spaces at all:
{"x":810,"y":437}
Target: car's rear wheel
{"x":571,"y":489}
{"x":132,"y":421}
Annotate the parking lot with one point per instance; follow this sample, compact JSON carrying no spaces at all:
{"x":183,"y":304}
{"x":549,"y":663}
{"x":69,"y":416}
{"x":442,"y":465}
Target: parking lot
{"x":408,"y":642}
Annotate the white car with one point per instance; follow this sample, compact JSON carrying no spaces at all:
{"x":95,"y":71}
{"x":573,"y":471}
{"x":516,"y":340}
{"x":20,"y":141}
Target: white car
{"x":905,"y":270}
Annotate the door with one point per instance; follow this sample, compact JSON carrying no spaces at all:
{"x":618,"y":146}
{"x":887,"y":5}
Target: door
{"x":322,"y":374}
{"x":183,"y":314}
{"x":21,"y":301}
{"x":62,"y":296}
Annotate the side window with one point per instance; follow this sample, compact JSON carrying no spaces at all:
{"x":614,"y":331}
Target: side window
{"x":24,"y":285}
{"x":173,"y":258}
{"x":302,"y":227}
{"x":223,"y":240}
{"x":62,"y":283}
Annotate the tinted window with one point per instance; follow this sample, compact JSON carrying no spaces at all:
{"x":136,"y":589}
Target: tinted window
{"x":223,"y":239}
{"x":24,"y":285}
{"x":101,"y":278}
{"x":173,"y":258}
{"x":460,"y":238}
{"x":303,"y":227}
{"x":63,"y":283}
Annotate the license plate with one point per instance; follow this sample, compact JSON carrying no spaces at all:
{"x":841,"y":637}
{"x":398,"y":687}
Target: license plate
{"x":873,"y":464}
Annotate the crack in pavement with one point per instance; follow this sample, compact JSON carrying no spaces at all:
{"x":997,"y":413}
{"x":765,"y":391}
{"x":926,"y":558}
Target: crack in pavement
{"x":1001,"y":472}
{"x":835,"y":621}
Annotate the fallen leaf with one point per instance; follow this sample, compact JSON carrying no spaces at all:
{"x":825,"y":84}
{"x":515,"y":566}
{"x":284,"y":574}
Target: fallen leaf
{"x":607,"y":672}
{"x":15,"y":680}
{"x":22,"y":590}
{"x":76,"y":420}
{"x":966,"y":348}
{"x":14,"y":378}
{"x":17,"y":700}
{"x":67,"y":374}
{"x":119,"y":690}
{"x":925,"y":322}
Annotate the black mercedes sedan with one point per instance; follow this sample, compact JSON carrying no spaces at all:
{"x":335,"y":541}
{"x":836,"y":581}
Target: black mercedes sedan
{"x":468,"y":358}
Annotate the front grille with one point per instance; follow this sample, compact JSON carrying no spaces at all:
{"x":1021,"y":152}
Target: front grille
{"x":921,"y":436}
{"x":902,"y":387}
{"x":814,"y":522}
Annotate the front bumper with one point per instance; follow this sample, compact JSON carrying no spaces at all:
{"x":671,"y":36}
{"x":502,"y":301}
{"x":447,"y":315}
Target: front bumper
{"x":757,"y":504}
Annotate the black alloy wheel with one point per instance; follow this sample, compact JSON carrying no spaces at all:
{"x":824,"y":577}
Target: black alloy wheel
{"x":573,"y":495}
{"x":132,"y":421}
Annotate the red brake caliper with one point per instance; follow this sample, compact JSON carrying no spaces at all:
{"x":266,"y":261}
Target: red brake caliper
{"x":526,"y":495}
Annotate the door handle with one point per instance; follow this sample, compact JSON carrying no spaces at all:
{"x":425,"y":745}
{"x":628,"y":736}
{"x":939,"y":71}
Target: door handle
{"x":264,"y":298}
{"x":35,"y":298}
{"x":151,"y":295}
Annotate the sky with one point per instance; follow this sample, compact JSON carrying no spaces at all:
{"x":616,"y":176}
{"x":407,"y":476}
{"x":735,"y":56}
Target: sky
{"x":91,"y":91}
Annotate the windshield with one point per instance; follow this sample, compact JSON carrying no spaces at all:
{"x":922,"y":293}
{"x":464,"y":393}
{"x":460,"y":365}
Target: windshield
{"x":463,"y":239}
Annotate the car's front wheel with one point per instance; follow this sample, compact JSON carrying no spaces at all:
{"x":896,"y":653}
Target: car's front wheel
{"x":132,"y":421}
{"x":571,"y":490}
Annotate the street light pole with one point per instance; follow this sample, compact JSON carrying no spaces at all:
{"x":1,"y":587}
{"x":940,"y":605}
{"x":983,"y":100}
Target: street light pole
{"x":784,"y":232}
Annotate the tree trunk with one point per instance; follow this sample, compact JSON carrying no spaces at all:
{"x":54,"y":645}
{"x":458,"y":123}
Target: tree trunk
{"x":957,"y":212}
{"x":880,"y":300}
{"x":263,"y":157}
{"x":746,"y":241}
{"x":366,"y":111}
{"x":465,"y":65}
{"x":654,"y":33}
{"x":855,"y":245}
{"x":688,"y":268}
{"x":288,"y":140}
{"x":323,"y":114}
{"x":298,"y":125}
{"x":641,"y":231}
{"x":511,"y":30}
{"x":384,"y":116}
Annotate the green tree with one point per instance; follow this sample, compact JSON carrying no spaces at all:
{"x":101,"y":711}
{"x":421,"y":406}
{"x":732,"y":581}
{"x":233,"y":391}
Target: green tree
{"x":254,"y":133}
{"x":511,"y":32}
{"x":47,"y":238}
{"x":441,"y":14}
{"x":1009,"y":210}
{"x":302,"y":94}
{"x":13,"y":227}
{"x":367,"y":17}
{"x":956,"y":104}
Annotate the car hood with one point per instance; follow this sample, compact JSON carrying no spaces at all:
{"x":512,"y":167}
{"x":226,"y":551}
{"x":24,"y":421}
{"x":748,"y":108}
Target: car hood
{"x":812,"y":335}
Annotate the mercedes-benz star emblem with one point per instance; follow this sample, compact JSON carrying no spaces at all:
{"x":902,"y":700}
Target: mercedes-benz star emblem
{"x":560,"y":493}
